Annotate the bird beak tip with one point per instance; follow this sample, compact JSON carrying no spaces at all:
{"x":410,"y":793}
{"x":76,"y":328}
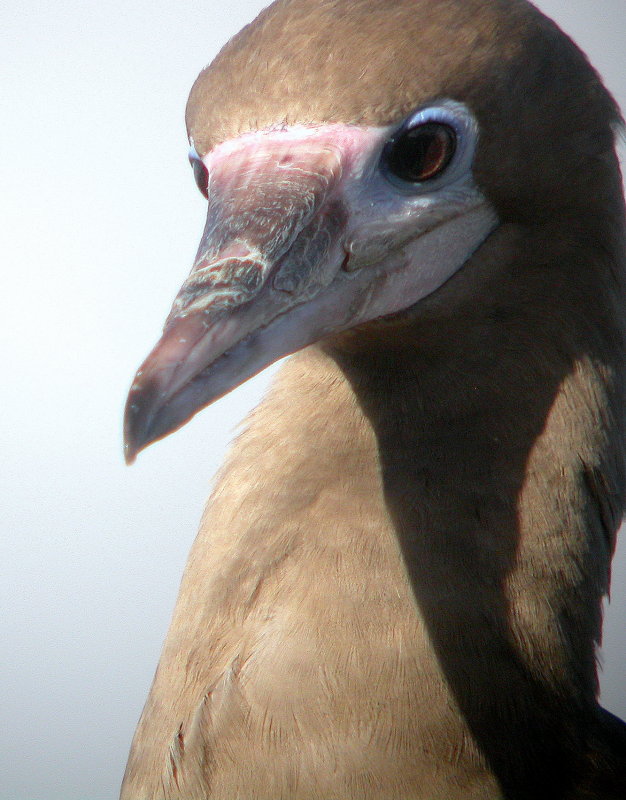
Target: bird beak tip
{"x":136,"y":428}
{"x":131,"y":445}
{"x":130,"y":454}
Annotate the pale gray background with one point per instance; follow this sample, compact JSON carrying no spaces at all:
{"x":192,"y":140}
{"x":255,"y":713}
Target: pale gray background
{"x":99,"y":221}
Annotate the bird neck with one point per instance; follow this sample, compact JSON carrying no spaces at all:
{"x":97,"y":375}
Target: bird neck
{"x":497,"y":411}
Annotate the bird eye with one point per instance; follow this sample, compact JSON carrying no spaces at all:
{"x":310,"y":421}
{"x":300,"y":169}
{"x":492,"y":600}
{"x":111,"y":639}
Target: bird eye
{"x":200,"y":172}
{"x":419,"y":153}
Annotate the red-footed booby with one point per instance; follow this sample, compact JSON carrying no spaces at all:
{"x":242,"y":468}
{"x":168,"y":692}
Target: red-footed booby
{"x":396,"y":588}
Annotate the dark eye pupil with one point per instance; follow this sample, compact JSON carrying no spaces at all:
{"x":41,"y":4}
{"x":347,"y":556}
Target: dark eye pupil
{"x":201,"y":174}
{"x":420,"y":153}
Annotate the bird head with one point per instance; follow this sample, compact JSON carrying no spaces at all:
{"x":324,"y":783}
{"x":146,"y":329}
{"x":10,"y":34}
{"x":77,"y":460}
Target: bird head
{"x":354,"y":155}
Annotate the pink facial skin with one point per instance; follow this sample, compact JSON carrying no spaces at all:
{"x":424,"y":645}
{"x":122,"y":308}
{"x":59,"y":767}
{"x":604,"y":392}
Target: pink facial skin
{"x":304,"y":237}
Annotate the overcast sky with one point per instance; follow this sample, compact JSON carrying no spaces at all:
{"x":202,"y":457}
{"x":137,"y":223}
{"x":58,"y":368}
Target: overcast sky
{"x":99,"y":221}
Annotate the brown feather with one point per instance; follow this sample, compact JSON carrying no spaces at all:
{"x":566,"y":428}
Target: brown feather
{"x":396,"y":588}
